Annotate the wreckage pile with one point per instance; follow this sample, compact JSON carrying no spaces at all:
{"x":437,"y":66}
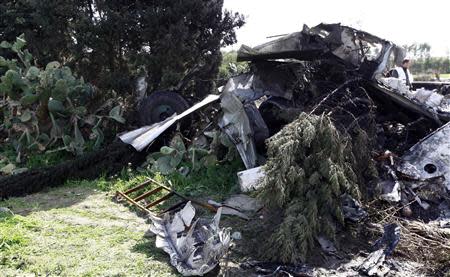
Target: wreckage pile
{"x":307,"y":172}
{"x":198,"y":250}
{"x":313,"y":115}
{"x":341,"y":87}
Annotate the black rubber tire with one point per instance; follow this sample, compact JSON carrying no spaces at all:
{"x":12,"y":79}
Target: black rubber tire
{"x":149,"y":108}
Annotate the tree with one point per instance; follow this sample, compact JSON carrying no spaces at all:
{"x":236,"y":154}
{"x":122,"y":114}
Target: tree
{"x":424,"y":62}
{"x":230,"y":67}
{"x":418,"y":51}
{"x":107,"y":40}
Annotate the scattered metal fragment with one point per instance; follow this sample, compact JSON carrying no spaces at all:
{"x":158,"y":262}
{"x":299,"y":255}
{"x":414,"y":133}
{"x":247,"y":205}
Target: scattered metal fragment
{"x":373,"y":265}
{"x":352,"y":209}
{"x":144,"y":136}
{"x":421,"y":203}
{"x":236,"y":236}
{"x":228,"y":210}
{"x":5,"y":212}
{"x":326,"y":245}
{"x":389,"y":240}
{"x":141,"y":88}
{"x":429,"y":158}
{"x":243,"y":202}
{"x":237,"y":126}
{"x":267,"y":269}
{"x":250,"y":179}
{"x":239,"y":205}
{"x":444,"y":217}
{"x":195,"y":248}
{"x":390,"y":191}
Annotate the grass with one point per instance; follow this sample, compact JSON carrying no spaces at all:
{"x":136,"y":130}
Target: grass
{"x":78,"y":230}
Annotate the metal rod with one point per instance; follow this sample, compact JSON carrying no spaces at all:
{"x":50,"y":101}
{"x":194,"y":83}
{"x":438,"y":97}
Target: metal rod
{"x":274,"y":36}
{"x":133,"y":202}
{"x":138,"y":187}
{"x":147,"y":194}
{"x":156,"y":202}
{"x":205,"y":205}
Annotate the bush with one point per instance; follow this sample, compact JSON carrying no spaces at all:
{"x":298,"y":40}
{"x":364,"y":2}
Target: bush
{"x":106,"y":41}
{"x":46,"y":108}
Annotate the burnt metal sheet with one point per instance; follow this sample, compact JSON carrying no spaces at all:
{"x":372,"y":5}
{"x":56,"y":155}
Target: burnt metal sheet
{"x":411,"y":105}
{"x":272,"y":79}
{"x":323,"y":41}
{"x":144,"y":136}
{"x":237,"y":126}
{"x":251,"y":179}
{"x":430,"y":158}
{"x":195,"y":246}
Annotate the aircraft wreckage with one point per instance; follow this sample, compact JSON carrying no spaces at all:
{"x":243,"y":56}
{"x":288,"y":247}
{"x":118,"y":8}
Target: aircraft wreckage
{"x":252,"y":103}
{"x":331,"y":70}
{"x":341,"y":72}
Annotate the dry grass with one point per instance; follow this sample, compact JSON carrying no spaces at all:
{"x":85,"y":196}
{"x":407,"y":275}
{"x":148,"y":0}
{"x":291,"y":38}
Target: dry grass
{"x":420,"y":242}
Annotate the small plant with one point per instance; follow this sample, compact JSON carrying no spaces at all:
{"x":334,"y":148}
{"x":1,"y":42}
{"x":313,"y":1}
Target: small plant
{"x":169,"y":159}
{"x":196,"y":156}
{"x":46,"y":108}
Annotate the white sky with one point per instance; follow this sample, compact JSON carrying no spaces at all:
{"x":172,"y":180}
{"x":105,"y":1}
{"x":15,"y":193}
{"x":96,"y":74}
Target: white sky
{"x":403,"y":22}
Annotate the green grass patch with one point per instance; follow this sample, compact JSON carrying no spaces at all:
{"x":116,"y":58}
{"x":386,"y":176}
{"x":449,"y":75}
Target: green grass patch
{"x":77,"y":230}
{"x":14,"y":230}
{"x":89,"y":235}
{"x":217,"y":181}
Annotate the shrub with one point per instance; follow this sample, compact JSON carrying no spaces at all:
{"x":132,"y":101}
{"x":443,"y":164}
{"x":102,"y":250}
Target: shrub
{"x":46,"y":108}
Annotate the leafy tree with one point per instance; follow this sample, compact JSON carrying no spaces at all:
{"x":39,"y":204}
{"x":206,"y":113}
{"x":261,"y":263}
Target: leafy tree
{"x":309,"y":168}
{"x":107,"y":40}
{"x":423,"y":62}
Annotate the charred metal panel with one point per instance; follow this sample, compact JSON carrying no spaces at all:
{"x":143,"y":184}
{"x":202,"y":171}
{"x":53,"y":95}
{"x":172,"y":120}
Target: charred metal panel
{"x":144,"y":136}
{"x":324,"y":41}
{"x":237,"y":126}
{"x":430,"y":158}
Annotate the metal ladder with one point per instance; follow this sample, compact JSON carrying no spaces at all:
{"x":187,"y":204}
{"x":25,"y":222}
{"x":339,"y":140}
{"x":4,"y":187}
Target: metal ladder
{"x":143,"y":187}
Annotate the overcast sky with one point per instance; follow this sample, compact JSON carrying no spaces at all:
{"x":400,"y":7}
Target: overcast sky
{"x":403,"y":22}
